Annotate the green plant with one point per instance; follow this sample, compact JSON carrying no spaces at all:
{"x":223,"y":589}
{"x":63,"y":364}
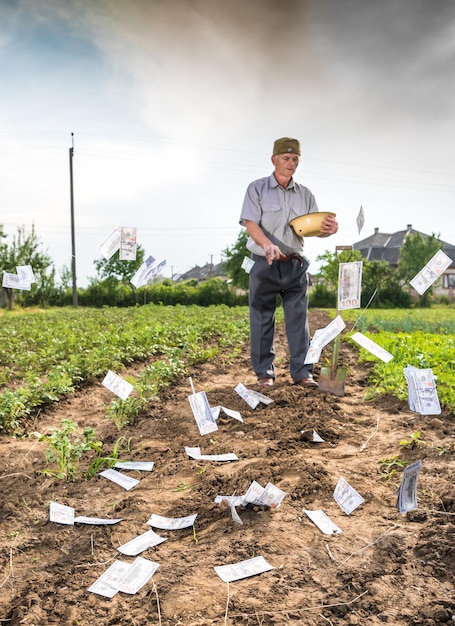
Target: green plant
{"x":109,"y":460}
{"x":65,"y":448}
{"x":123,"y":412}
{"x":182,"y":487}
{"x":389,"y":466}
{"x":413,"y":441}
{"x":52,"y":353}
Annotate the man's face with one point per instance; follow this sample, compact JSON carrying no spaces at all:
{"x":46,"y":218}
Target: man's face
{"x":285,"y":164}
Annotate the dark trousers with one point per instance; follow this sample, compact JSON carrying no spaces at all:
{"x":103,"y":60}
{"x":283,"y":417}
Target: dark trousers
{"x":290,"y":281}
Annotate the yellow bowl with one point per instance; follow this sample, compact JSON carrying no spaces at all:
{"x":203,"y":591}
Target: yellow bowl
{"x":309,"y":225}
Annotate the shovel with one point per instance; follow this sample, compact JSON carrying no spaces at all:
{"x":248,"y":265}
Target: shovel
{"x":332,"y":378}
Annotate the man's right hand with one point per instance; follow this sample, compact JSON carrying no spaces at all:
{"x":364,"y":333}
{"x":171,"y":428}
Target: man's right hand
{"x":272,"y":253}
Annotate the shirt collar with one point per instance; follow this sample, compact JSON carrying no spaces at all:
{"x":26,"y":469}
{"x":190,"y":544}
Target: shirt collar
{"x":274,"y":183}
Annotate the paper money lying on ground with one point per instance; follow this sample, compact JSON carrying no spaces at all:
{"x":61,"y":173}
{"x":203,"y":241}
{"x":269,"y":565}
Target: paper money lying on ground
{"x":171,"y":523}
{"x":195,"y":453}
{"x":346,"y":496}
{"x":323,"y":522}
{"x":270,"y":496}
{"x":141,"y":543}
{"x":126,"y":577}
{"x":120,"y":479}
{"x":407,"y":491}
{"x":140,"y":466}
{"x":62,"y":514}
{"x":243,"y":569}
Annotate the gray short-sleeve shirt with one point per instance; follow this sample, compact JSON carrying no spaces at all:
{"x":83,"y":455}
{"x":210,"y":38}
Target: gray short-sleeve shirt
{"x":267,"y":203}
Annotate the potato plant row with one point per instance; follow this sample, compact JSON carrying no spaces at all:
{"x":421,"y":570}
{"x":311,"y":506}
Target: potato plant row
{"x":423,"y":338}
{"x":48,"y":354}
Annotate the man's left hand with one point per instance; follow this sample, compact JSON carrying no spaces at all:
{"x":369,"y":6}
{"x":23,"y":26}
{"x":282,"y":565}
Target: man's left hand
{"x":329,"y":226}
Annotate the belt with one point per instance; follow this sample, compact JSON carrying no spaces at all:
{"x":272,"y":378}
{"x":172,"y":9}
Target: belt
{"x":292,"y":257}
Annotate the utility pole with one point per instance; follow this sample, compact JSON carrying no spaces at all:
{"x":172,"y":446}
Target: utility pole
{"x":73,"y":236}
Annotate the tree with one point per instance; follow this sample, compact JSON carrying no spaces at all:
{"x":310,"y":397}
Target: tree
{"x":116,"y":270}
{"x":377,"y":276}
{"x":331,"y":262}
{"x":25,"y":249}
{"x":234,"y":260}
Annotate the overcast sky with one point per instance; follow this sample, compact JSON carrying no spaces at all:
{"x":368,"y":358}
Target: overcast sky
{"x":175,"y":105}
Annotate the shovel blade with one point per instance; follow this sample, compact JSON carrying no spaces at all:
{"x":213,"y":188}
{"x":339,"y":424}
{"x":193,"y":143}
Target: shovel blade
{"x":332,"y":381}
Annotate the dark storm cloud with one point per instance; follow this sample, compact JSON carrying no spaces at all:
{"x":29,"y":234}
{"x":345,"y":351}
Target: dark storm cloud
{"x":398,"y":49}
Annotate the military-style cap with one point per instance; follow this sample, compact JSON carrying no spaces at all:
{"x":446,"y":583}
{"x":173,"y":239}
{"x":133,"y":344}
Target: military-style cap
{"x":287,"y":144}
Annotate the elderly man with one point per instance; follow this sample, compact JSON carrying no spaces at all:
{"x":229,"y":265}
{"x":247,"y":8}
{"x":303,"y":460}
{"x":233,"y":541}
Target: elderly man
{"x":279,"y":265}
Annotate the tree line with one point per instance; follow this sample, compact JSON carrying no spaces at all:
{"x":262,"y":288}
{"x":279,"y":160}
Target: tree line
{"x":112,"y":287}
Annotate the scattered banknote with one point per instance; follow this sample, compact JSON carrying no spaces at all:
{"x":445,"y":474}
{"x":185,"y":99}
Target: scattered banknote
{"x":407,"y":491}
{"x":247,"y":264}
{"x":269,"y":496}
{"x":349,"y":285}
{"x":13,"y":281}
{"x":243,"y":569}
{"x":260,"y":396}
{"x":25,"y":273}
{"x":120,"y":479}
{"x":322,"y":337}
{"x":216,"y":410}
{"x":422,"y":392}
{"x":128,"y":244}
{"x":323,"y":522}
{"x":138,"y":575}
{"x":107,"y":584}
{"x":205,"y":421}
{"x":111,"y":244}
{"x":171,"y":523}
{"x":96,"y":521}
{"x":346,"y":496}
{"x":141,"y":543}
{"x":311,"y":435}
{"x":432,"y":270}
{"x":140,"y":466}
{"x":126,"y":577}
{"x":195,"y":453}
{"x":360,"y":219}
{"x":61,"y":514}
{"x":142,"y":275}
{"x":251,"y":397}
{"x":117,"y":385}
{"x":246,"y":395}
{"x":372,"y":347}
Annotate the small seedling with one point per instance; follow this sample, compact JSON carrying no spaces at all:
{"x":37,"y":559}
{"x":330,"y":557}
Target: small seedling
{"x":389,"y":466}
{"x":414,"y":441}
{"x":182,"y":487}
{"x":109,"y":460}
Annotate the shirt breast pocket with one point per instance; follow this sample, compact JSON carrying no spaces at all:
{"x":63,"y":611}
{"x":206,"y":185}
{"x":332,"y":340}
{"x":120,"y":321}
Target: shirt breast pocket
{"x":271,"y":216}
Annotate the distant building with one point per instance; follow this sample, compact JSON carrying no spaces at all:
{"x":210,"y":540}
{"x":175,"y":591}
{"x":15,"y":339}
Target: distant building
{"x":209,"y":270}
{"x":387,"y":247}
